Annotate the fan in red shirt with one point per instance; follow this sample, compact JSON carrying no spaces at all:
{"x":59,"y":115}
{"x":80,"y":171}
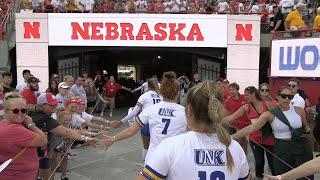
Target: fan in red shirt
{"x":232,"y":104}
{"x":253,"y":109}
{"x":111,"y":88}
{"x":29,"y":93}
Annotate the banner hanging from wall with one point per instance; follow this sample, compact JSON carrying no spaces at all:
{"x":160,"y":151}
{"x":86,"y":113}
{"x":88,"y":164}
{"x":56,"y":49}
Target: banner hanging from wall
{"x":296,"y":58}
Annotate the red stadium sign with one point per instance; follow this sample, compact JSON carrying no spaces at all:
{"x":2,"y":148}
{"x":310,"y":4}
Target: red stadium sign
{"x":125,"y":31}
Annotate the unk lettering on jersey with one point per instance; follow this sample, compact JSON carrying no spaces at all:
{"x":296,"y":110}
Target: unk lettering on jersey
{"x":156,"y":96}
{"x":166,"y":112}
{"x":209,"y":157}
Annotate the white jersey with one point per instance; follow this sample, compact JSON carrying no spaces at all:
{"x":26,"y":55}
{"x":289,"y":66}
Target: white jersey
{"x":149,"y":98}
{"x":165,"y":120}
{"x":195,"y":156}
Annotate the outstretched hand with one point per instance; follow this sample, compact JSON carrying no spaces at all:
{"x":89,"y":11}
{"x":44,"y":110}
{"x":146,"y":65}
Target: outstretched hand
{"x":93,"y":141}
{"x":106,"y":143}
{"x":95,"y":134}
{"x":116,"y":124}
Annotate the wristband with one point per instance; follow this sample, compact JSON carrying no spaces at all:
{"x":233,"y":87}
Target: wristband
{"x":86,"y":139}
{"x":113,"y":138}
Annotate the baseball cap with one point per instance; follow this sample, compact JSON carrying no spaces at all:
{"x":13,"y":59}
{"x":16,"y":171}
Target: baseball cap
{"x":63,"y":85}
{"x":33,"y":80}
{"x":301,"y":4}
{"x":225,"y":81}
{"x":47,"y":98}
{"x":70,"y":101}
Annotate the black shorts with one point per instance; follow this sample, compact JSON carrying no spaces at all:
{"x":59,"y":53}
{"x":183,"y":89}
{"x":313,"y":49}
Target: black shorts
{"x":44,"y":163}
{"x":91,"y":103}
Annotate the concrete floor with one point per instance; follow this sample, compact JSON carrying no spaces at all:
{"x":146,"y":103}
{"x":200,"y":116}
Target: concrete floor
{"x":122,"y":161}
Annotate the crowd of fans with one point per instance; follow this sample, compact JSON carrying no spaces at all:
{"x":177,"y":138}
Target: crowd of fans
{"x":48,"y":122}
{"x":283,"y":15}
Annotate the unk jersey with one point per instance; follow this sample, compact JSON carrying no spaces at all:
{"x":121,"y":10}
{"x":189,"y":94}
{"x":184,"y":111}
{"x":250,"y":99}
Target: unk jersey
{"x":165,"y":120}
{"x":148,"y":98}
{"x":195,"y":156}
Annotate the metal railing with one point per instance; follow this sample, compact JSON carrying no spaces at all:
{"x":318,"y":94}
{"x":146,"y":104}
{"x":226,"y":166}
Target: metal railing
{"x":7,"y":17}
{"x":296,"y":34}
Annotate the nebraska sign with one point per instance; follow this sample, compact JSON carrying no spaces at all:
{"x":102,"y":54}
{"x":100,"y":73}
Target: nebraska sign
{"x":169,"y":30}
{"x":124,"y":31}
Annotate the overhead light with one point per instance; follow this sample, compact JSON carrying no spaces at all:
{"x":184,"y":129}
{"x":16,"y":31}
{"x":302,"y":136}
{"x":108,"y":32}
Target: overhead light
{"x":159,"y":57}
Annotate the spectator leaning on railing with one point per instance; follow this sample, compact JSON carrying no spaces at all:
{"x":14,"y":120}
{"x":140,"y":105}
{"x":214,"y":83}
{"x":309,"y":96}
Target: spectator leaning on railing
{"x":294,"y":19}
{"x":277,"y":22}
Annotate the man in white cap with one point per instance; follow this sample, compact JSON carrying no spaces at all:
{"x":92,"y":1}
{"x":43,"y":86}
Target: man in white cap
{"x":316,"y":22}
{"x":294,"y":19}
{"x":64,"y":92}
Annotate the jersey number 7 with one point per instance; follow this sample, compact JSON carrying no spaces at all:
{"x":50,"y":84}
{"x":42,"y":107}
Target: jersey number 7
{"x":167,"y":123}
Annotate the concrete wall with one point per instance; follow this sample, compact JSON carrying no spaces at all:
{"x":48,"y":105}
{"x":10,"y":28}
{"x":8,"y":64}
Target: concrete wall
{"x":32,"y":53}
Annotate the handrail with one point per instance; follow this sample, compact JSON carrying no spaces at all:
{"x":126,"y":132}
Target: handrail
{"x":6,"y":19}
{"x":303,"y":33}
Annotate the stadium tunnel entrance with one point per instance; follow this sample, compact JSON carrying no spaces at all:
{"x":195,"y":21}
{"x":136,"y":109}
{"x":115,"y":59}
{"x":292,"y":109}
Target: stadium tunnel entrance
{"x":131,"y":65}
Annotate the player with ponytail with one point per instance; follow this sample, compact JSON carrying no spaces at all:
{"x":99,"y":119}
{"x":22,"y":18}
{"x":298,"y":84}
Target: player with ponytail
{"x":206,"y":151}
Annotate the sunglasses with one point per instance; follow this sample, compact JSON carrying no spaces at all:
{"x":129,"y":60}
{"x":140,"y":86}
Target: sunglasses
{"x":16,"y":111}
{"x":264,"y":90}
{"x":292,"y":85}
{"x":284,"y":96}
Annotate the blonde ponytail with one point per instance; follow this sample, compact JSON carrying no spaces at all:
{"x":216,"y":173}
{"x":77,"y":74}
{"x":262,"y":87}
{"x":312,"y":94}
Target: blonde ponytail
{"x":208,"y":110}
{"x":215,"y":111}
{"x":225,"y":138}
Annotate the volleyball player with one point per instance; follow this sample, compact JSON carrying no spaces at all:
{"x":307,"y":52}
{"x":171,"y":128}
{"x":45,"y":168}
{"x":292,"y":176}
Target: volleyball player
{"x":166,"y":118}
{"x":145,"y":100}
{"x":205,"y":152}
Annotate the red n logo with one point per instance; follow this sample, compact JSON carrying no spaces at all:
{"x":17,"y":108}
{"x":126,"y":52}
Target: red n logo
{"x":31,"y":30}
{"x":244,"y":32}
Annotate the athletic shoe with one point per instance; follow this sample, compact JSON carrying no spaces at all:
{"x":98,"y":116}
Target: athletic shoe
{"x":110,"y":115}
{"x":72,"y":152}
{"x":64,"y":178}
